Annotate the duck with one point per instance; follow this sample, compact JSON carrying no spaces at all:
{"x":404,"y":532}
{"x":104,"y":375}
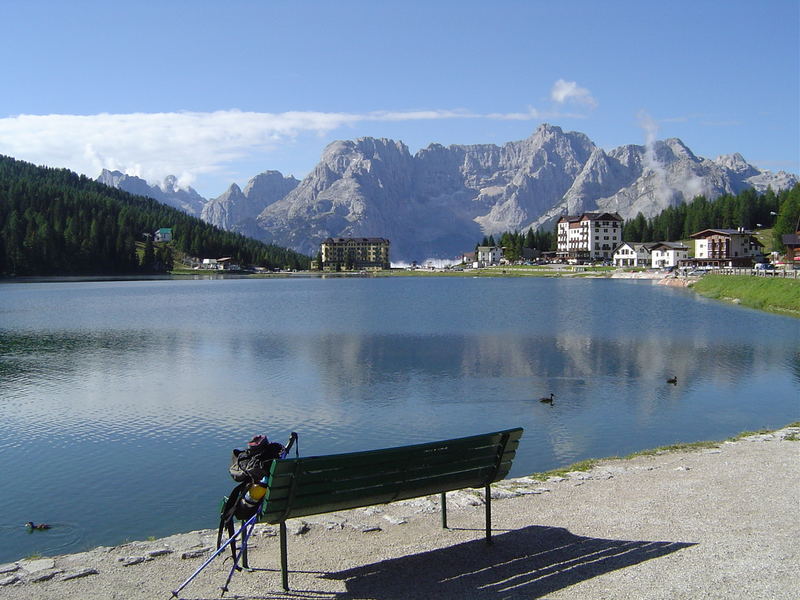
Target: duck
{"x":32,"y":525}
{"x":673,"y":380}
{"x":547,"y":400}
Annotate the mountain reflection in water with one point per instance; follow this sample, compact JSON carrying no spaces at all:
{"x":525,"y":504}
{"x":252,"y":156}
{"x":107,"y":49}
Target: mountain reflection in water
{"x":124,"y":395}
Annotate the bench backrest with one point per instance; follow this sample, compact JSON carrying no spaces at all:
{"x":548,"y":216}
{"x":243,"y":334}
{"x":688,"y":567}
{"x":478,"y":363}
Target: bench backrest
{"x":319,"y":484}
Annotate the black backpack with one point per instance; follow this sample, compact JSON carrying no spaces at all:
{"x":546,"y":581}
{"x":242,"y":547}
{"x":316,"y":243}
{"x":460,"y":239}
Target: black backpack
{"x":253,"y":463}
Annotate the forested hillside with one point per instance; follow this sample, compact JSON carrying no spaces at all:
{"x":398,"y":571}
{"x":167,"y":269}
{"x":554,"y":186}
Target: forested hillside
{"x":54,"y":222}
{"x":748,"y":209}
{"x":513,"y":242}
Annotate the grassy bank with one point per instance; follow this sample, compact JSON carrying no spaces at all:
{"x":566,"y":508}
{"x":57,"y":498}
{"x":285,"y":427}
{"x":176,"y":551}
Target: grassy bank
{"x":764,"y":293}
{"x":588,"y":464}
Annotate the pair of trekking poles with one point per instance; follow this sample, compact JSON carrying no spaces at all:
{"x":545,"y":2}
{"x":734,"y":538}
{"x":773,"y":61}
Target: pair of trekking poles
{"x":245,"y":531}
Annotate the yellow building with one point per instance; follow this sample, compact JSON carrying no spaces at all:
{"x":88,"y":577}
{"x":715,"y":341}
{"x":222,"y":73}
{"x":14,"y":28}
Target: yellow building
{"x":347,"y":254}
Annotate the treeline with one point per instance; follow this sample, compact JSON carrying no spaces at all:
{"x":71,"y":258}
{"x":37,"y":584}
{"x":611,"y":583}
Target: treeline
{"x":54,"y":222}
{"x":748,"y":209}
{"x":514,"y":242}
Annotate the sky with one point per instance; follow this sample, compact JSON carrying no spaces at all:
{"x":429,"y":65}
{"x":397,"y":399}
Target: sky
{"x":217,"y":92}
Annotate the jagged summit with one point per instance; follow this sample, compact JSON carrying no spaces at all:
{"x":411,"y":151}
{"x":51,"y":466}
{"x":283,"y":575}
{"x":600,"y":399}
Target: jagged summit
{"x":439,"y":201}
{"x":167,"y":191}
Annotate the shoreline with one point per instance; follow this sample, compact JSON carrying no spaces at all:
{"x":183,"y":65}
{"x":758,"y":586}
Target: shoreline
{"x":714,"y":519}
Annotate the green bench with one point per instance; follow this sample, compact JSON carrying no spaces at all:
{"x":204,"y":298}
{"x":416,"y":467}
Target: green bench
{"x":299,"y":487}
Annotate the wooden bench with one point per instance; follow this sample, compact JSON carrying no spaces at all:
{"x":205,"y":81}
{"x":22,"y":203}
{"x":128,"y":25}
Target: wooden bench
{"x":299,"y":487}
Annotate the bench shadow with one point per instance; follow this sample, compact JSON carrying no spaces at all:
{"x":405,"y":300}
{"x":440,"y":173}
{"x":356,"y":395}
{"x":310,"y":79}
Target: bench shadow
{"x":526,"y":563}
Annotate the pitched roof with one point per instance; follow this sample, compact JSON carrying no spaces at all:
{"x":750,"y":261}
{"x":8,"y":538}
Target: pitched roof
{"x":791,"y":239}
{"x":669,"y":245}
{"x":708,"y":232}
{"x":601,"y":216}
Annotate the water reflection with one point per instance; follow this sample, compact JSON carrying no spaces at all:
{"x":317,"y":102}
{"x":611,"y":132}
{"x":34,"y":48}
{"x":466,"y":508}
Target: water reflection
{"x":137,"y":381}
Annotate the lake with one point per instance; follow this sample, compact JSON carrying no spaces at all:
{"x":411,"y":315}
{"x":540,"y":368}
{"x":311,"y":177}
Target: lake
{"x":122,"y":400}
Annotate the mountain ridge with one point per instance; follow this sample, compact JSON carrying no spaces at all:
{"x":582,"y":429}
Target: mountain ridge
{"x":438,"y":201}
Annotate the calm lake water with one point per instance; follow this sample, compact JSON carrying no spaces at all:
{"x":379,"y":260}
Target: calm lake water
{"x":122,"y":400}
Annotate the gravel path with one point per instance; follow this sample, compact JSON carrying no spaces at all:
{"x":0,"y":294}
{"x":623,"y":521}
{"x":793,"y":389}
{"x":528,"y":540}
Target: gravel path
{"x":713,"y":523}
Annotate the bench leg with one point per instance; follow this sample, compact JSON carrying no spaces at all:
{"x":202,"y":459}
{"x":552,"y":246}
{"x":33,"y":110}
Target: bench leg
{"x":284,"y":561}
{"x":444,"y":511}
{"x":488,"y":515}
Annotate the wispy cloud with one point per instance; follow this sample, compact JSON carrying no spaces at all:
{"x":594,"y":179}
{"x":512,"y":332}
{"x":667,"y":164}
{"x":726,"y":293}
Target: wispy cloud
{"x":189,"y":144}
{"x":564,"y":92}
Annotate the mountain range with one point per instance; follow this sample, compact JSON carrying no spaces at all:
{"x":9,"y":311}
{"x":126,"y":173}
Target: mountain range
{"x":440,"y":201}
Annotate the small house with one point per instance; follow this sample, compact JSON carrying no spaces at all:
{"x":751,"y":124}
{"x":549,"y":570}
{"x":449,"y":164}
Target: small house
{"x":489,"y":255}
{"x":668,"y":254}
{"x":633,"y":254}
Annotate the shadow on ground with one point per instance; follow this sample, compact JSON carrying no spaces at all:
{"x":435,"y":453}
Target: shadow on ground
{"x":526,"y":563}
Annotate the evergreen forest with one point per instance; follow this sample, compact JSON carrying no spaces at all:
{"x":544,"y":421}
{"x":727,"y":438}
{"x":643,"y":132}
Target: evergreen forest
{"x":748,"y":209}
{"x":55,"y":222}
{"x":514,"y":242}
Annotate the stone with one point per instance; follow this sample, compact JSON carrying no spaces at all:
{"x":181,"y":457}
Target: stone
{"x":365,"y":528}
{"x":531,"y":491}
{"x":195,"y":553}
{"x":43,"y":576}
{"x":128,"y":561}
{"x":8,"y":568}
{"x":161,"y":552}
{"x":40,"y":564}
{"x":79,"y":573}
{"x":298,"y":527}
{"x":395,"y":520}
{"x":501,"y":494}
{"x":10,"y":580}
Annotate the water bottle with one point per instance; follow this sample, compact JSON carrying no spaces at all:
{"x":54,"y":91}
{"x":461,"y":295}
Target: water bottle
{"x":249,"y":502}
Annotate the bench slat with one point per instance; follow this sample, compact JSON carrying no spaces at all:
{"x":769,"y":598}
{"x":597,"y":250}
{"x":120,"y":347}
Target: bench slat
{"x":430,"y":451}
{"x":309,"y":504}
{"x":407,"y":477}
{"x":378,"y":457}
{"x":307,"y":473}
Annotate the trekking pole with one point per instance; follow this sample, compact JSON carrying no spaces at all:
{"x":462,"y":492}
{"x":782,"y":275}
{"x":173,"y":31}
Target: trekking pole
{"x":247,"y":530}
{"x":210,"y":558}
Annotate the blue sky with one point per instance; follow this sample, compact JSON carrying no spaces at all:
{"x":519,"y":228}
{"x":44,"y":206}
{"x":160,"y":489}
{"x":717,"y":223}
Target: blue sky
{"x":216,"y":92}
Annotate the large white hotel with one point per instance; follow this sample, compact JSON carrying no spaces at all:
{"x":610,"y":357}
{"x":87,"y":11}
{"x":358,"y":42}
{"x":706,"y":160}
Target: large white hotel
{"x":588,"y":237}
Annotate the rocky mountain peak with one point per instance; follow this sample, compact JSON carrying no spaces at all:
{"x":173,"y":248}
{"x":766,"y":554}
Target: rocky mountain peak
{"x":735,"y":162}
{"x":441,"y":200}
{"x":237,"y":210}
{"x":187,"y":200}
{"x":111,"y":178}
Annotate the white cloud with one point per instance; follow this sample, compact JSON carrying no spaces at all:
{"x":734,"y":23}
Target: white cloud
{"x":184,"y":144}
{"x":569,"y":91}
{"x":192,"y":144}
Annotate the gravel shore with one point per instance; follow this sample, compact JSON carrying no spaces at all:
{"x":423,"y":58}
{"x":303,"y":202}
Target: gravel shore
{"x":712,"y":523}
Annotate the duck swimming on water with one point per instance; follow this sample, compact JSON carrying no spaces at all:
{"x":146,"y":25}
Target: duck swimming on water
{"x":32,"y":525}
{"x":547,"y":400}
{"x":673,"y":380}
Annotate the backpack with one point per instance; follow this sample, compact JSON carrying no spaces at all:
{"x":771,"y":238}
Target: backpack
{"x":253,"y":463}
